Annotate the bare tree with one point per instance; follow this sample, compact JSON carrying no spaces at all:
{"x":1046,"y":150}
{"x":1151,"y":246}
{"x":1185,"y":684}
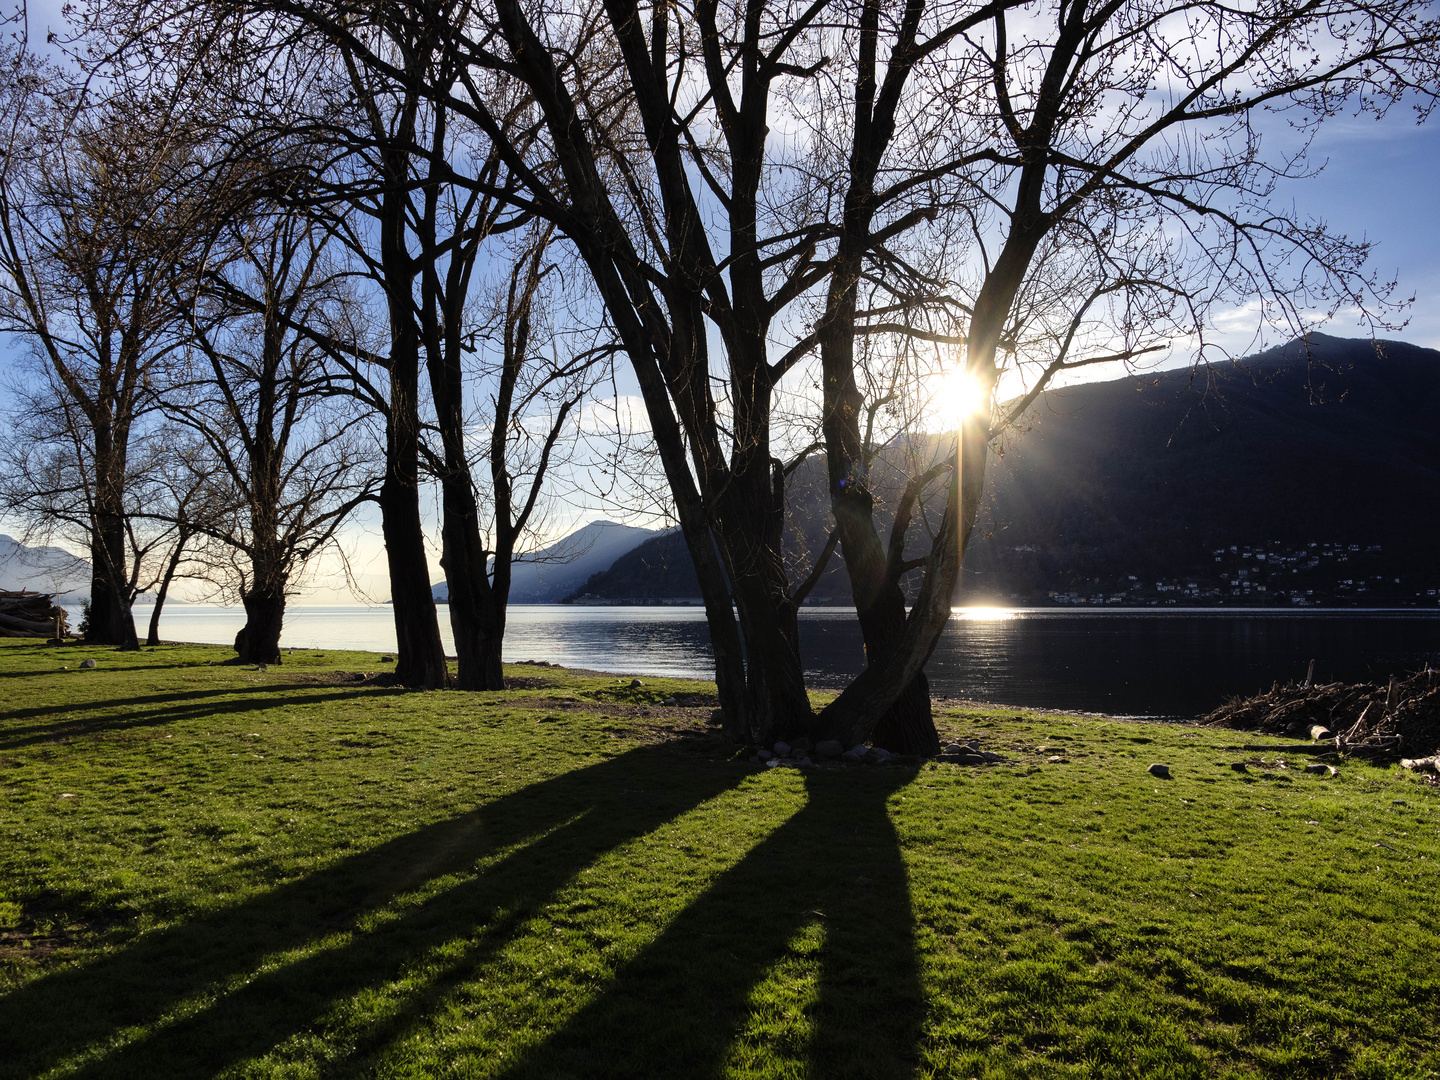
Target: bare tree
{"x":93,"y":220}
{"x":756,"y":187}
{"x":175,"y":487}
{"x":537,"y":380}
{"x":290,"y":460}
{"x":46,"y":483}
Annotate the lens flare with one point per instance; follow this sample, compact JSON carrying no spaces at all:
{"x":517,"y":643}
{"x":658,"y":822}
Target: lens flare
{"x":960,"y":395}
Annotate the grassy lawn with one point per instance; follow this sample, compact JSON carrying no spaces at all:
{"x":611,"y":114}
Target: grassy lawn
{"x":218,"y":871}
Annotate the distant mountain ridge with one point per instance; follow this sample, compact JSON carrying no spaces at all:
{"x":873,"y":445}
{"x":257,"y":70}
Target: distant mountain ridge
{"x":545,"y":576}
{"x":1135,"y":490}
{"x":1118,"y":488}
{"x":43,"y":569}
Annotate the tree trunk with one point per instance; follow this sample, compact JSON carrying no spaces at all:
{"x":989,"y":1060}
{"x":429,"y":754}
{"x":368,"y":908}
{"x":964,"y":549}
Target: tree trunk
{"x":153,"y":637}
{"x":491,"y":641}
{"x":471,"y":619}
{"x":111,"y":620}
{"x":258,"y":641}
{"x":420,"y":653}
{"x":420,"y":659}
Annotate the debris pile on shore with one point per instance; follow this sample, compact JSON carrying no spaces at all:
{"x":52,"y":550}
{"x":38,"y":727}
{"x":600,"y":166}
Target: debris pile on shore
{"x":1371,"y":719}
{"x":30,"y":614}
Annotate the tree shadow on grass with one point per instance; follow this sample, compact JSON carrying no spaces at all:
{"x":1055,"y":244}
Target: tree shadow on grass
{"x":209,"y":1000}
{"x":687,"y":1004}
{"x":697,"y":1001}
{"x":141,"y":712}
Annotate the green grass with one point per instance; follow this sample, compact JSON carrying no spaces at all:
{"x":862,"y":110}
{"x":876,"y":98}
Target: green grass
{"x":217,"y":871}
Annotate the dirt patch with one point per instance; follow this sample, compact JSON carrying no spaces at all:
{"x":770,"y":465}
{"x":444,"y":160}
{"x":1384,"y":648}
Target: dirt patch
{"x":20,"y":945}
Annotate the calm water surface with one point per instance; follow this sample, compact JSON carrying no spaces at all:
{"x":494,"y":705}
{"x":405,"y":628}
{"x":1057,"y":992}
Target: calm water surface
{"x":1137,"y":662}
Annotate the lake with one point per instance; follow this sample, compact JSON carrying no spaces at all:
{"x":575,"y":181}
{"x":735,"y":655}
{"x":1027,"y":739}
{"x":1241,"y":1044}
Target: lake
{"x":1129,"y":662}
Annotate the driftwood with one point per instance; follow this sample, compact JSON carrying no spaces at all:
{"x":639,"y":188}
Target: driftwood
{"x":1376,"y":720}
{"x":29,"y":614}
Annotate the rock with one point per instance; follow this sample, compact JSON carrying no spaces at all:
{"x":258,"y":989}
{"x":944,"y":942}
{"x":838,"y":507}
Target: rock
{"x":990,"y":755}
{"x":802,"y":744}
{"x":856,"y":753}
{"x":781,"y":749}
{"x":829,"y":748}
{"x":1160,"y":772}
{"x":969,"y":759}
{"x":763,"y":755}
{"x":669,"y":701}
{"x":387,"y":659}
{"x":87,"y":663}
{"x":635,"y":684}
{"x":1239,"y":766}
{"x":803,"y":762}
{"x":1055,"y":759}
{"x":953,"y":748}
{"x":878,"y":754}
{"x":772,"y":763}
{"x":1319,"y":733}
{"x":1318,"y":769}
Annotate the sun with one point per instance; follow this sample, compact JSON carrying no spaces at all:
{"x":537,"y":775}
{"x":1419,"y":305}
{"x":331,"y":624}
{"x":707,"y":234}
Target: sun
{"x":958,"y":395}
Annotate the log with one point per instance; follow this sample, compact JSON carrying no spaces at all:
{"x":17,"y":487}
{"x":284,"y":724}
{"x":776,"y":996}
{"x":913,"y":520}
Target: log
{"x":27,"y":614}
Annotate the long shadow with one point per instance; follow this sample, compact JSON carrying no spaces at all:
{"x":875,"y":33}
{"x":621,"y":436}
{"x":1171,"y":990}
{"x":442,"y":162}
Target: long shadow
{"x":120,"y":703}
{"x":682,"y":1006}
{"x":569,"y":821}
{"x":201,"y":704}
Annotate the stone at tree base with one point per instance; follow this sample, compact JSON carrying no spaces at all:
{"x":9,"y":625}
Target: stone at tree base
{"x":1160,"y":772}
{"x":763,"y":755}
{"x":856,"y":753}
{"x":829,"y":748}
{"x":878,"y":754}
{"x":781,"y":749}
{"x":802,"y":744}
{"x":87,"y":663}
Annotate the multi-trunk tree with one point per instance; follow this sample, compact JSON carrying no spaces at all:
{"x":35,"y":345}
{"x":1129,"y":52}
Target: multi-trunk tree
{"x":786,"y":198}
{"x":288,"y":457}
{"x":94,"y":220}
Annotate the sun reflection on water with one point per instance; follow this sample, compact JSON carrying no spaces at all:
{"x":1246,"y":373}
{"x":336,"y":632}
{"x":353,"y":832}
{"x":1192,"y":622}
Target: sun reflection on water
{"x":984,"y":614}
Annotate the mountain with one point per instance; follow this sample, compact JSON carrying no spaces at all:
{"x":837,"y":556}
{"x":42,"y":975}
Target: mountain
{"x":659,"y":570}
{"x":1144,"y":487}
{"x":43,"y":569}
{"x":1307,"y":474}
{"x":543,"y":577}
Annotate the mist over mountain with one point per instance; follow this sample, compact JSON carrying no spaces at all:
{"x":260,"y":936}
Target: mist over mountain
{"x":43,"y":569}
{"x":557,"y":570}
{"x":1318,"y":465}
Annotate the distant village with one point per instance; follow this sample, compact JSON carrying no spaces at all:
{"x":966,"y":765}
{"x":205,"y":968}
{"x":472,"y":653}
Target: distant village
{"x":1315,"y":574}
